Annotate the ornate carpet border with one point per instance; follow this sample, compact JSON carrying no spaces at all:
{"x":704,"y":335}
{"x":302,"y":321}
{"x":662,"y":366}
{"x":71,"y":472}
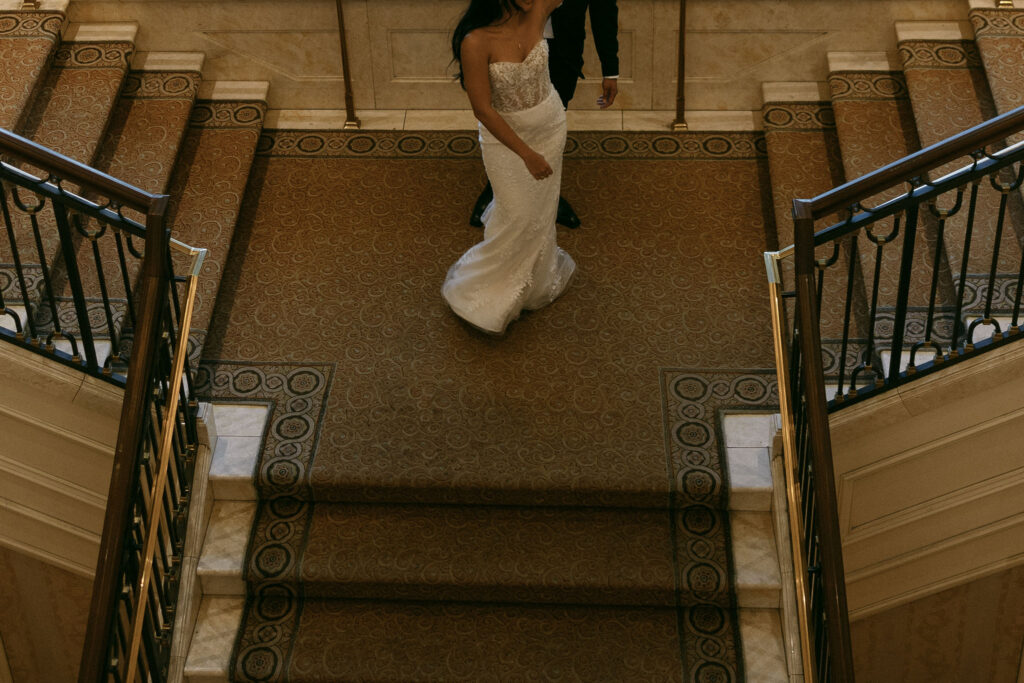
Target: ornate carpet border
{"x":997,"y":23}
{"x":464,"y":144}
{"x":939,"y":54}
{"x":99,"y":55}
{"x":694,"y":402}
{"x":798,"y":116}
{"x":161,"y":85}
{"x":31,"y":24}
{"x":224,"y":114}
{"x":297,"y":396}
{"x":863,"y":86}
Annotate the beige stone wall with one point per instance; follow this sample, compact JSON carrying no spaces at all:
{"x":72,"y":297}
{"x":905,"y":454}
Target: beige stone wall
{"x":400,"y":54}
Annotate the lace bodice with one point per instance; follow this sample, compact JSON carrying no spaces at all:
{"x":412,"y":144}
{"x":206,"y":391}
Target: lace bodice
{"x":516,"y":86}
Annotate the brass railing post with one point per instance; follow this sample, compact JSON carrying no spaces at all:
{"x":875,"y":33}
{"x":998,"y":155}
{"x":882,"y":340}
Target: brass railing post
{"x":351,"y":120}
{"x":680,"y":123}
{"x":827,"y":502}
{"x":163,"y":462}
{"x":793,"y":498}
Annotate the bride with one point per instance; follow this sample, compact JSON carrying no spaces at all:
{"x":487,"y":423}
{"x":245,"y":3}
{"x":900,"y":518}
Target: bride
{"x":503,"y":60}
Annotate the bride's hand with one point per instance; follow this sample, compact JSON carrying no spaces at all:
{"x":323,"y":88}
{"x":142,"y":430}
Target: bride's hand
{"x":537,"y":165}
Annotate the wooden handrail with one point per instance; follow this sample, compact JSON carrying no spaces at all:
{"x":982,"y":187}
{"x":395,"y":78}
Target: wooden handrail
{"x":826,"y":499}
{"x":912,"y":166}
{"x":69,"y":169}
{"x":124,"y":477}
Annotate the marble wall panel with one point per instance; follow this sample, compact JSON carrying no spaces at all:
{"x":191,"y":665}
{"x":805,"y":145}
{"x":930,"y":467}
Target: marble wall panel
{"x":43,"y":617}
{"x":292,"y":45}
{"x":399,"y":51}
{"x":971,"y":632}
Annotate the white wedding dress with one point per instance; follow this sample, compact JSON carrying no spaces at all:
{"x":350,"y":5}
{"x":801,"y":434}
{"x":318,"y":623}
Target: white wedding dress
{"x":518,"y":265}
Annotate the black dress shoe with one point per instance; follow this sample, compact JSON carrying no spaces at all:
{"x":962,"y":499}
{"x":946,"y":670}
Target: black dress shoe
{"x":566,"y":215}
{"x":476,"y":218}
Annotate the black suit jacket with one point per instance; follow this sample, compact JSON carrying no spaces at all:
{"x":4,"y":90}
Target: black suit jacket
{"x":569,"y":23}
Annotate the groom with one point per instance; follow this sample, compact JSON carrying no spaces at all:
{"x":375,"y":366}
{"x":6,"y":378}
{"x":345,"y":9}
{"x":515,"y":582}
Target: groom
{"x":566,"y":33}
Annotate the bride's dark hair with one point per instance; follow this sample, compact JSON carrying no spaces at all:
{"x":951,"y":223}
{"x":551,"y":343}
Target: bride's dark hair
{"x":480,"y":13}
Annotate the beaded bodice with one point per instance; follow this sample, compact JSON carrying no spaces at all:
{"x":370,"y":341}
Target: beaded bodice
{"x":516,"y":86}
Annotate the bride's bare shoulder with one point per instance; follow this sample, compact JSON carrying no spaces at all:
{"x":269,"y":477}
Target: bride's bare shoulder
{"x":477,"y":41}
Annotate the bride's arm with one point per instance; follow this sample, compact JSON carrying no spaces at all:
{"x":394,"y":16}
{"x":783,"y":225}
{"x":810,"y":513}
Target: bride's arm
{"x":541,"y":10}
{"x":474,"y":57}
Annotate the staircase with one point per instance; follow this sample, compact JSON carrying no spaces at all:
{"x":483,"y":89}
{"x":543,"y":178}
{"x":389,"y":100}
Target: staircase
{"x":394,"y":500}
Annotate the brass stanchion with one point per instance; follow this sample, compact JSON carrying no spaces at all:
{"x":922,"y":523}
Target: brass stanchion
{"x":351,"y":120}
{"x":680,"y":123}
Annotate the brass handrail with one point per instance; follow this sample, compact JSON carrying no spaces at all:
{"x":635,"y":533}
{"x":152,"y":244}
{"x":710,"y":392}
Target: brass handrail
{"x":164,"y":456}
{"x":351,"y":120}
{"x":680,"y":121}
{"x":793,"y":499}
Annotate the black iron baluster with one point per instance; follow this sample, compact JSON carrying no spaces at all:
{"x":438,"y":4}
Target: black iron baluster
{"x":987,"y":319}
{"x":902,"y":294}
{"x":972,"y":210}
{"x":18,"y":268}
{"x":943,"y":215}
{"x":868,"y":362}
{"x":44,"y":266}
{"x":75,"y":280}
{"x":1004,"y":190}
{"x":125,"y":277}
{"x":94,"y":237}
{"x":853,"y":256}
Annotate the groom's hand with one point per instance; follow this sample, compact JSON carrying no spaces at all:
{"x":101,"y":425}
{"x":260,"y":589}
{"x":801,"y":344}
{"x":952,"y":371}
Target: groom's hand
{"x":609,"y":89}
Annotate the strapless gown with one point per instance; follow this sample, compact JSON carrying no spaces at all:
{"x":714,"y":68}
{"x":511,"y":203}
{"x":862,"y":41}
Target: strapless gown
{"x":518,"y":265}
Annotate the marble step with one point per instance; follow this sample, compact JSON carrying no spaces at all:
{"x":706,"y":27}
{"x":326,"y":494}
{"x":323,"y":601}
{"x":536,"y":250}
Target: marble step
{"x":240,"y":428}
{"x":764,"y":649}
{"x":465,"y":553}
{"x":487,"y":554}
{"x":804,"y":160}
{"x":29,"y":40}
{"x":803,"y":150}
{"x":999,"y":34}
{"x":76,"y":98}
{"x":756,"y":571}
{"x":513,"y":556}
{"x":949,"y":93}
{"x":348,"y":640}
{"x":619,"y":555}
{"x":764,"y":655}
{"x":875,"y":125}
{"x":150,"y":117}
{"x":210,"y":178}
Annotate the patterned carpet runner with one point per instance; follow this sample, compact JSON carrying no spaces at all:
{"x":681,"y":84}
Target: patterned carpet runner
{"x":441,"y":505}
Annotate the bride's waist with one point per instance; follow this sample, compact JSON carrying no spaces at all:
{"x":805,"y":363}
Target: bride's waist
{"x":547,"y":112}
